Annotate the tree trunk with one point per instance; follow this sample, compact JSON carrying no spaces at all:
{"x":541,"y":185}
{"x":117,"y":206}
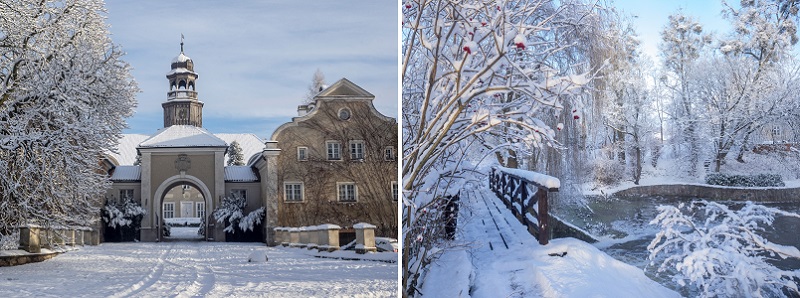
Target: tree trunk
{"x":637,"y":171}
{"x":745,"y":143}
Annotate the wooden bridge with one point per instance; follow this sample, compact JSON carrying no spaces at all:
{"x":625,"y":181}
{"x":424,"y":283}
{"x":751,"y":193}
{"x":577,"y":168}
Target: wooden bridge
{"x":525,"y":194}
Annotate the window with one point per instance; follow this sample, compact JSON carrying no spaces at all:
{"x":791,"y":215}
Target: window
{"x":394,"y":191}
{"x":239,"y":193}
{"x":169,"y":210}
{"x":388,"y":153}
{"x":347,"y":191}
{"x":200,"y":209}
{"x":302,"y":153}
{"x":356,"y":150}
{"x":125,"y":194}
{"x":293,"y":191}
{"x":344,"y":114}
{"x":334,"y":150}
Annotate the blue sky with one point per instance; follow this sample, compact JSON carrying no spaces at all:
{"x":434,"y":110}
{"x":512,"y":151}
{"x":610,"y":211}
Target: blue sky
{"x":255,"y":59}
{"x":650,"y":17}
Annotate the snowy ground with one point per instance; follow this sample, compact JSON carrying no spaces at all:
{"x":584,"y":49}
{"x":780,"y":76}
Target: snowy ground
{"x":188,"y":269}
{"x":499,"y":258}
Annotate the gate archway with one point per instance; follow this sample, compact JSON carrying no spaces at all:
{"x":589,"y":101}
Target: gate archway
{"x":184,"y":183}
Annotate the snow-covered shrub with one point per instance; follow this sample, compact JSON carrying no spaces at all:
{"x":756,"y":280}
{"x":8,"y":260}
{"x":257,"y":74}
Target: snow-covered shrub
{"x":720,"y":251}
{"x":760,"y":180}
{"x":608,"y":172}
{"x":122,"y":219}
{"x":202,"y":230}
{"x":122,"y":214}
{"x":11,"y":241}
{"x":231,"y":213}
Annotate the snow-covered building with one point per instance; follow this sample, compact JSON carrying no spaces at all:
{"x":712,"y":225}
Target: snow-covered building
{"x":338,"y":162}
{"x":179,"y":172}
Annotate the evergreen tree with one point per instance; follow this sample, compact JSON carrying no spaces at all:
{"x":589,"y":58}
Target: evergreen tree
{"x":235,"y":156}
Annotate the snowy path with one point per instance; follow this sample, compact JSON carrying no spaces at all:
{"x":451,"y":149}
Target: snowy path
{"x":499,"y":258}
{"x":191,"y":269}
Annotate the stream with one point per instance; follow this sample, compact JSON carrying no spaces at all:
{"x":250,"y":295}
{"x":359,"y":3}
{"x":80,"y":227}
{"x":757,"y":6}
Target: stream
{"x":622,"y":226}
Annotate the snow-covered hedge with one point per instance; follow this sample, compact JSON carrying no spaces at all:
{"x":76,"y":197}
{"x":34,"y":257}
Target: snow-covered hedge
{"x":122,"y":214}
{"x":231,"y":213}
{"x":760,"y":180}
{"x":608,"y":172}
{"x":122,"y":219}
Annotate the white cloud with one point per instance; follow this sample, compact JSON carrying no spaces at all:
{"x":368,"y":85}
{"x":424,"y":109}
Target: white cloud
{"x":256,"y":58}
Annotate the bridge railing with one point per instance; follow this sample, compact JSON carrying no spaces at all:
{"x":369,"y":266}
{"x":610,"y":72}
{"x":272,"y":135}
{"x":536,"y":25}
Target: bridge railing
{"x":525,"y":194}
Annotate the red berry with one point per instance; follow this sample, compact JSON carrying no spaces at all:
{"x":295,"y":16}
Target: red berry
{"x":576,"y":117}
{"x":574,"y":111}
{"x":466,"y":49}
{"x":521,"y":45}
{"x":483,"y":23}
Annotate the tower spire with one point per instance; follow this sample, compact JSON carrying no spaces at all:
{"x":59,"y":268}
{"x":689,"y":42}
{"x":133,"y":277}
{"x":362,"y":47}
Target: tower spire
{"x":181,"y":42}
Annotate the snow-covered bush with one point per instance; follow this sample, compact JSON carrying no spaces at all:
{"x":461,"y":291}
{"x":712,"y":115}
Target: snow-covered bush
{"x":608,"y":172}
{"x":760,"y":180}
{"x":122,"y":219}
{"x":231,"y":213}
{"x":720,"y":251}
{"x":122,"y":214}
{"x":11,"y":241}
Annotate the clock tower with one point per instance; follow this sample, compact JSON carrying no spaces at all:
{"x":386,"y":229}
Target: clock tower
{"x":182,"y":106}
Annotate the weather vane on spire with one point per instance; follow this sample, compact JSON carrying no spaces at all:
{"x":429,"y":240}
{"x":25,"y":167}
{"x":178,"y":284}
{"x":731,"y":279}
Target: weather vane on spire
{"x":181,"y":42}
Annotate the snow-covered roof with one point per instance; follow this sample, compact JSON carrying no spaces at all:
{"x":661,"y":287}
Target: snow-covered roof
{"x":181,"y":58}
{"x":126,"y":150}
{"x":250,"y":143}
{"x":183,"y":136}
{"x":127,"y":173}
{"x":240,"y":174}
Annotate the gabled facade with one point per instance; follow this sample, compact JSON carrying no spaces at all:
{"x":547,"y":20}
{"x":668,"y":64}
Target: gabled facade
{"x":338,"y":162}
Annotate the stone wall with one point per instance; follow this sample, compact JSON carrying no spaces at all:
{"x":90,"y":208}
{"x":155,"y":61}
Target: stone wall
{"x":755,"y":194}
{"x":24,"y":259}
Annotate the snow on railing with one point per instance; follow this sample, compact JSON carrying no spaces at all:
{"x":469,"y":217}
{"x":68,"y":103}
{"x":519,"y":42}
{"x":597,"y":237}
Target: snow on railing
{"x":525,"y":193}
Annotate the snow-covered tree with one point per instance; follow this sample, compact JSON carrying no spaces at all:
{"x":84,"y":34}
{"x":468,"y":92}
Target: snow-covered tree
{"x":631,"y":117}
{"x":64,"y":95}
{"x":235,"y":155}
{"x":721,"y":251}
{"x":764,"y":33}
{"x":317,"y":83}
{"x":484,"y":73}
{"x":231,"y":214}
{"x":682,"y":43}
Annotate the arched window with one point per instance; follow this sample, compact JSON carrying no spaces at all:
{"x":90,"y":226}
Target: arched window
{"x":191,"y":85}
{"x":182,"y":85}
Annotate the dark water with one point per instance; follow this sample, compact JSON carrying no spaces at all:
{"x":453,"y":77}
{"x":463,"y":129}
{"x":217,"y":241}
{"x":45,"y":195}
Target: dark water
{"x":624,"y":229}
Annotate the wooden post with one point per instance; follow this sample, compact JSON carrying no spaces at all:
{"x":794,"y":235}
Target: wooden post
{"x":544,"y":226}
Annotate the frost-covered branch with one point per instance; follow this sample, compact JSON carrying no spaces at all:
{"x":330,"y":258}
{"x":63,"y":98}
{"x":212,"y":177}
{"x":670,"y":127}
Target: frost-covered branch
{"x":720,"y":250}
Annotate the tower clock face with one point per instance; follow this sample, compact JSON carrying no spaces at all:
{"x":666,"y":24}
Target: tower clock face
{"x":182,"y":113}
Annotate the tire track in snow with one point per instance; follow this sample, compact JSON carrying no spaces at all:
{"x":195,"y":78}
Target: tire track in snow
{"x":203,"y":281}
{"x":151,"y":278}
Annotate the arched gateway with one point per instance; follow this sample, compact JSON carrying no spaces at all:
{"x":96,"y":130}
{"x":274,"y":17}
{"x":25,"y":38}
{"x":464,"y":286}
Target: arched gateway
{"x":185,"y":198}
